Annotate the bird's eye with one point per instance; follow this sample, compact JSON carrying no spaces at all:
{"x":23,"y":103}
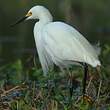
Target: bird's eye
{"x":29,"y":14}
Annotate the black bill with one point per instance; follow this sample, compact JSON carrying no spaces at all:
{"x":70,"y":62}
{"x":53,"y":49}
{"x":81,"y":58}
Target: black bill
{"x":19,"y":21}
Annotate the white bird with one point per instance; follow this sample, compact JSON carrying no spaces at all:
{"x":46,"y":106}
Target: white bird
{"x":59,"y":43}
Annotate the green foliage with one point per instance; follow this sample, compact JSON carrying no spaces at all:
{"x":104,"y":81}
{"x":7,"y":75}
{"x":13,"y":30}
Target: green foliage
{"x":23,"y":88}
{"x":31,"y":90}
{"x":12,"y":73}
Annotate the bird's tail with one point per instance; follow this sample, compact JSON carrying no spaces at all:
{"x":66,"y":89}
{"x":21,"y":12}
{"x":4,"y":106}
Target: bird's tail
{"x":97,"y":48}
{"x":95,"y":63}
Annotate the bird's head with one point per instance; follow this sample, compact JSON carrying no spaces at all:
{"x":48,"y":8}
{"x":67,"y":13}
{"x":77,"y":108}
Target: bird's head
{"x":36,"y":12}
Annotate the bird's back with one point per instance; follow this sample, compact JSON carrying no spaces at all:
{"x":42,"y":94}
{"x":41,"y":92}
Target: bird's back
{"x":64,"y":43}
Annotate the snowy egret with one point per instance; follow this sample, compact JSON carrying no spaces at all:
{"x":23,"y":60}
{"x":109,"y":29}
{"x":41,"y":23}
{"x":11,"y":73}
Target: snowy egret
{"x":59,"y":43}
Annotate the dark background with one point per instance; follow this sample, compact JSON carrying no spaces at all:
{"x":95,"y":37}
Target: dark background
{"x":90,"y":17}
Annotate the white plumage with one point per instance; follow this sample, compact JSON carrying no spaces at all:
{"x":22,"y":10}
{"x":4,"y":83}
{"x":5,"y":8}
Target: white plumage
{"x":59,"y":43}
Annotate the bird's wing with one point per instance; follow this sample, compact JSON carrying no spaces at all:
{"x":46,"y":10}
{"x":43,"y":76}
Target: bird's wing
{"x":65,"y":43}
{"x":44,"y":57}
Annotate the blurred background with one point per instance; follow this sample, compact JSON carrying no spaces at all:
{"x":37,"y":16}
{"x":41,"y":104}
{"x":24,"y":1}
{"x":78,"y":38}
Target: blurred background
{"x":22,"y":83}
{"x":90,"y":17}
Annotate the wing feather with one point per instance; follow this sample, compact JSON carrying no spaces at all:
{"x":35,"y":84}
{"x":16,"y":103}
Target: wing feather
{"x":63,"y":43}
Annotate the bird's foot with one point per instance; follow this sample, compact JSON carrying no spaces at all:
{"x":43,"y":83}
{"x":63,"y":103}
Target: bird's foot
{"x":87,"y":98}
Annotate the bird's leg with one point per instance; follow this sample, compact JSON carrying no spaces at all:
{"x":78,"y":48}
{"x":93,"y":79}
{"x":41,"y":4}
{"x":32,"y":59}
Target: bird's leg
{"x":85,"y":78}
{"x":71,"y":83}
{"x":71,"y":88}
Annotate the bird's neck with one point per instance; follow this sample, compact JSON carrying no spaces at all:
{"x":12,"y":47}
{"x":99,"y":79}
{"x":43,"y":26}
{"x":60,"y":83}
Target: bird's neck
{"x":45,"y":17}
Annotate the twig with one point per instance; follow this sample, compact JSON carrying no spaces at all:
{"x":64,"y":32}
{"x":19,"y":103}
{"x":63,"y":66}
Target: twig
{"x":10,"y":90}
{"x":89,"y":83}
{"x":99,"y":91}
